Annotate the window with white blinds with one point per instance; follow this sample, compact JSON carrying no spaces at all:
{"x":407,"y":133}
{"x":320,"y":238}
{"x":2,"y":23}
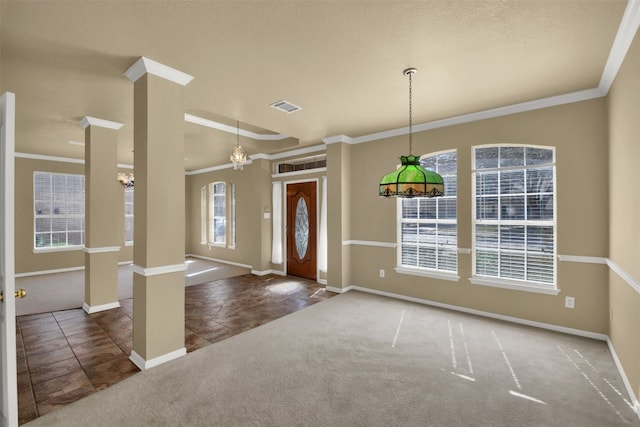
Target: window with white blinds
{"x":514,"y":229}
{"x":217,"y":213}
{"x":58,"y":210}
{"x":428,"y":229}
{"x":128,"y":215}
{"x":203,"y":215}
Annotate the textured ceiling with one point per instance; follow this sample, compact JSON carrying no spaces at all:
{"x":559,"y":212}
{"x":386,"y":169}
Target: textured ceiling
{"x":341,"y":61}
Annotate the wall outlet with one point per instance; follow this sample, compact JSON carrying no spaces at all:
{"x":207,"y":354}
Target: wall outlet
{"x":569,"y":302}
{"x":381,"y":273}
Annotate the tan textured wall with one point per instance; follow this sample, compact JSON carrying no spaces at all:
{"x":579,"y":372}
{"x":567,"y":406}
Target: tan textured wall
{"x":101,"y":188}
{"x":579,"y":133}
{"x":338,"y":214}
{"x":261,"y":171}
{"x":248,"y":222}
{"x":26,"y":260}
{"x":159,"y":199}
{"x":624,"y":201}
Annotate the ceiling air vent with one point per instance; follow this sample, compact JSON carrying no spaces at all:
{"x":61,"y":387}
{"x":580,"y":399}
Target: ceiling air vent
{"x":286,"y":106}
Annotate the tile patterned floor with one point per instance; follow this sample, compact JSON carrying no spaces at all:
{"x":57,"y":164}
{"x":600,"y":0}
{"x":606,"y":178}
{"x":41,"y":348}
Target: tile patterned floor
{"x":66,"y":355}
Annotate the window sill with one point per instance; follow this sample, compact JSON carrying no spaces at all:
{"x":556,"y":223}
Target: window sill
{"x":428,"y":273}
{"x":216,"y":245}
{"x":57,"y":249}
{"x":516,"y":286}
{"x":128,"y":243}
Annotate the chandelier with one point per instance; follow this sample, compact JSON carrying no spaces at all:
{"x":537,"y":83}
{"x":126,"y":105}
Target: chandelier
{"x":238,"y":154}
{"x":125,"y":179}
{"x":411,"y":179}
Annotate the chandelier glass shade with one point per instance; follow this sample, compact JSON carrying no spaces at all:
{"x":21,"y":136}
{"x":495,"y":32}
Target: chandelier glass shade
{"x":411,"y":180}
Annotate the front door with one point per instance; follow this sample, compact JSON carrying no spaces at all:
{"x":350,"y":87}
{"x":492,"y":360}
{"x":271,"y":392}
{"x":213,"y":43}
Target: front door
{"x":301,"y":229}
{"x":9,"y":391}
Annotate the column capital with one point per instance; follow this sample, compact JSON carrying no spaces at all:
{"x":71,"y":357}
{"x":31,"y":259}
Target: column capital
{"x":92,"y":121}
{"x":145,"y":65}
{"x":337,"y":139}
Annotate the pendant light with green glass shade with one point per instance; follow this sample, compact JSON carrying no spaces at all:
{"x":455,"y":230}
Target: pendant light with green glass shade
{"x":411,"y":179}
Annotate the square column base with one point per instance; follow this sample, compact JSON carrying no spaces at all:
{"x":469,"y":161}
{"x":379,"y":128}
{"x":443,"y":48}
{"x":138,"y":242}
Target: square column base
{"x":158,"y":317}
{"x":100,"y":281}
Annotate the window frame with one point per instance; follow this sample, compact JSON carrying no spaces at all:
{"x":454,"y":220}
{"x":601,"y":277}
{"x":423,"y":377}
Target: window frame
{"x":212,"y":217}
{"x":204,"y":218}
{"x":51,"y":215}
{"x":129,"y":242}
{"x":426,"y":271}
{"x":207,"y":211}
{"x":513,"y":283}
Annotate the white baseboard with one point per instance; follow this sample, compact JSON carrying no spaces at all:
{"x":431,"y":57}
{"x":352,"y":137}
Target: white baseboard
{"x":556,"y":328}
{"x":625,"y":380}
{"x":57,"y":270}
{"x":146,"y":364}
{"x":339,"y":290}
{"x":322,"y":281}
{"x":90,"y":309}
{"x":222,"y":261}
{"x":265,"y":272}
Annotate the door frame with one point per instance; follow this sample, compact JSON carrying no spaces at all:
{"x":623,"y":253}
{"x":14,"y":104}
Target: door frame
{"x":8,"y":373}
{"x":284,"y":220}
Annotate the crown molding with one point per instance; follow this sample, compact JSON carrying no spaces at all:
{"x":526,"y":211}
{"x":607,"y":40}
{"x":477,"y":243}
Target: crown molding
{"x":92,"y":121}
{"x":234,"y":130}
{"x":552,"y":101}
{"x":624,"y":37}
{"x":60,"y":159}
{"x":145,"y":65}
{"x":262,"y":156}
{"x":296,"y":152}
{"x":216,"y":168}
{"x":48,"y":158}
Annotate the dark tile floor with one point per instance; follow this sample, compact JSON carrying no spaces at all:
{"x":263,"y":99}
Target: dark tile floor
{"x":66,"y":355}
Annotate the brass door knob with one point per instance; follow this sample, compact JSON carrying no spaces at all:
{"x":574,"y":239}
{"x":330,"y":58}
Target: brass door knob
{"x":20,"y":293}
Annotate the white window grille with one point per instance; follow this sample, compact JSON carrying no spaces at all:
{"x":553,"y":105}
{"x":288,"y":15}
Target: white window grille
{"x":217,"y":213}
{"x":128,"y":215}
{"x":428,"y":238}
{"x":514,"y":204}
{"x":58,"y":210}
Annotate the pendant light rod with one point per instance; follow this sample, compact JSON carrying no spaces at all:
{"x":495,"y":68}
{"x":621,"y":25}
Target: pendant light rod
{"x":410,"y":72}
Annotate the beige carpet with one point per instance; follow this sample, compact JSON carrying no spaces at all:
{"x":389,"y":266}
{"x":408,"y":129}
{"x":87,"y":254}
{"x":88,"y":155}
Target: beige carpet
{"x":64,"y":291}
{"x":365,"y":360}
